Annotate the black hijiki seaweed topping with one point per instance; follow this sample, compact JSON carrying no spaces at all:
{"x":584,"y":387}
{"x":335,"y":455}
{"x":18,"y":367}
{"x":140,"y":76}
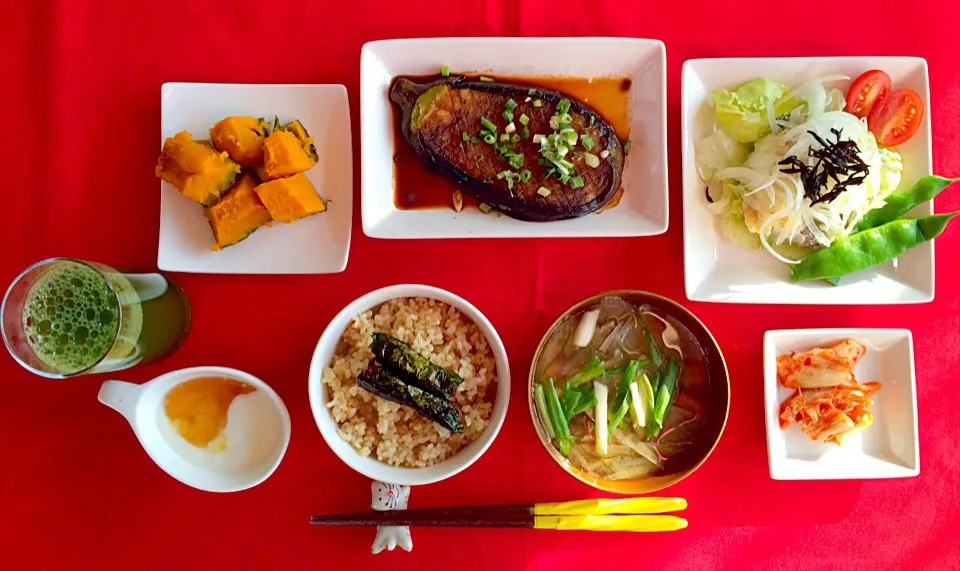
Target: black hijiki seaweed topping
{"x":833,"y":160}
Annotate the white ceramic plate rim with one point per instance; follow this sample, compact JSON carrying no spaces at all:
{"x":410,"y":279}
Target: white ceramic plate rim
{"x":695,"y":291}
{"x":781,"y":468}
{"x":172,"y":257}
{"x":422,"y":224}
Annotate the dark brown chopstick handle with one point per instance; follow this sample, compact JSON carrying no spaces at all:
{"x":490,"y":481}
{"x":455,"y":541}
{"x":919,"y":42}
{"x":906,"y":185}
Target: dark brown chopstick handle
{"x":476,"y":516}
{"x":526,"y":521}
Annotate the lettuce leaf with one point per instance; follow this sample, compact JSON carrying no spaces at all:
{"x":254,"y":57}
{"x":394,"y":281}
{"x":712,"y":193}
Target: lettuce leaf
{"x":743,"y":112}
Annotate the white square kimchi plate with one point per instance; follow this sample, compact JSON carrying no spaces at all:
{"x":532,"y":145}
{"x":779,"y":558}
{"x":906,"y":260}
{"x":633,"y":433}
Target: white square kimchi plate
{"x":889,"y":448}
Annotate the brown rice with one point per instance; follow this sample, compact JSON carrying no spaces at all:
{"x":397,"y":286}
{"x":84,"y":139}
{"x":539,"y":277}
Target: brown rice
{"x":395,"y":434}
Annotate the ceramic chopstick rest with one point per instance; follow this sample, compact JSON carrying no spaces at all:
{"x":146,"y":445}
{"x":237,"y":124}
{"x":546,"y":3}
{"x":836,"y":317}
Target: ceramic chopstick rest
{"x":388,"y":497}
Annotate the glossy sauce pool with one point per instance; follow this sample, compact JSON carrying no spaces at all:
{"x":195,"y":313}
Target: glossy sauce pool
{"x":416,"y":188}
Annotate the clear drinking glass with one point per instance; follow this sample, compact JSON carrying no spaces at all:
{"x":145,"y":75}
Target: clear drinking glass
{"x":63,"y":317}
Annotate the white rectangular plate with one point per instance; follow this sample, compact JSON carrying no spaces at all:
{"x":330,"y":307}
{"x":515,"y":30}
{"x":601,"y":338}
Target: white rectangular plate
{"x":643,"y":210}
{"x":314,"y":245}
{"x":889,"y":448}
{"x":716,"y":270}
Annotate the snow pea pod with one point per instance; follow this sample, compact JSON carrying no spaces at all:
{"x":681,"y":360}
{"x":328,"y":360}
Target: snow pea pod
{"x":898,"y":204}
{"x":869,"y":248}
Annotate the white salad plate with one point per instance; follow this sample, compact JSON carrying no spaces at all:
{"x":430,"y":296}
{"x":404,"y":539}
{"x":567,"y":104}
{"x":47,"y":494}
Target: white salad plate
{"x":719,"y":271}
{"x":643,"y":211}
{"x":314,"y":245}
{"x":889,"y":448}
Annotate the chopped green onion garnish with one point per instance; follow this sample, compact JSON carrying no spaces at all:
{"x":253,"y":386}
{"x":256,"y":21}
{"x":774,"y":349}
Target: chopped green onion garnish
{"x":488,"y":125}
{"x":510,"y":105}
{"x":592,"y":161}
{"x":537,"y":103}
{"x":489,"y":139}
{"x":566,"y":118}
{"x":626,"y":146}
{"x":505,"y":207}
{"x":487,"y":79}
{"x":564,"y":178}
{"x":515,"y":138}
{"x":485,"y":208}
{"x":524,"y":119}
{"x":604,"y":154}
{"x":538,"y":138}
{"x":478,"y":157}
{"x":543,"y":191}
{"x":525,"y":175}
{"x":563,"y":106}
{"x":516,"y":161}
{"x":525,"y":133}
{"x":571,"y":137}
{"x":504,"y":138}
{"x":508,"y":116}
{"x":510,"y":127}
{"x":576,"y":182}
{"x":445,"y":70}
{"x":531,"y":91}
{"x":587,"y":142}
{"x":501,"y":174}
{"x":528,"y":100}
{"x":466,"y":136}
{"x":592,"y":119}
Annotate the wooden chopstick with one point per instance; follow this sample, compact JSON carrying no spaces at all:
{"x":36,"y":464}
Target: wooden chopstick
{"x":599,"y":515}
{"x":430,"y":519}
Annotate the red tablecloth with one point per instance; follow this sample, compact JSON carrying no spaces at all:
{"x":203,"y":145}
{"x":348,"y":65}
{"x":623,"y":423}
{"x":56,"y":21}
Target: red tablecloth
{"x":80,"y":96}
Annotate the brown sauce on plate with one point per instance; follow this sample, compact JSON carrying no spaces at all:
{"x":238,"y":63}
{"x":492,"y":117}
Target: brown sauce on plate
{"x":416,"y":188}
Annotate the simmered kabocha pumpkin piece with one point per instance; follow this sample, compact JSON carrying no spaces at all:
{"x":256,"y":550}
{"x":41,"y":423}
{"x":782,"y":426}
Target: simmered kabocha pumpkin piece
{"x":241,"y":137}
{"x":195,"y":168}
{"x":291,"y":198}
{"x":238,"y":214}
{"x":300,"y":132}
{"x":283,"y":155}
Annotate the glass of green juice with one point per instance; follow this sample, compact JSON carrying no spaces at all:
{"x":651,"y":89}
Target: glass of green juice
{"x":63,"y":317}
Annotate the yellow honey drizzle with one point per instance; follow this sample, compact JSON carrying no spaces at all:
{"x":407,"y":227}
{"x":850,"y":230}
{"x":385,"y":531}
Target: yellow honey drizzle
{"x":198,"y":409}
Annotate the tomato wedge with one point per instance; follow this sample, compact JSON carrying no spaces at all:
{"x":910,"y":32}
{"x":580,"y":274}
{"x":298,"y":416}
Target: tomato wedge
{"x":866,"y":91}
{"x":896,"y":118}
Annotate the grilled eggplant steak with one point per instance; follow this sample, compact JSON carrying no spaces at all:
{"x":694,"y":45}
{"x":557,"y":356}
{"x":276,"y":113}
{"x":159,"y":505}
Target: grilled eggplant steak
{"x":437,"y":114}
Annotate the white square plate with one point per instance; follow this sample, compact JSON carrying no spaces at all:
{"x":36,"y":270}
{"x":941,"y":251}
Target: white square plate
{"x":716,"y":270}
{"x":314,"y":245}
{"x":889,"y":448}
{"x":642,"y":211}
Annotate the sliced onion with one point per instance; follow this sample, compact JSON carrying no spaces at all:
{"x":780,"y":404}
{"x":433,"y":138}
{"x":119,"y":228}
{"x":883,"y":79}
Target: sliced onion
{"x":764,"y":229}
{"x":817,"y":81}
{"x":586,"y":328}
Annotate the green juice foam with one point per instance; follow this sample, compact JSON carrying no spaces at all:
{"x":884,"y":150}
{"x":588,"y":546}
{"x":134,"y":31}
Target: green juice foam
{"x":71,"y":317}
